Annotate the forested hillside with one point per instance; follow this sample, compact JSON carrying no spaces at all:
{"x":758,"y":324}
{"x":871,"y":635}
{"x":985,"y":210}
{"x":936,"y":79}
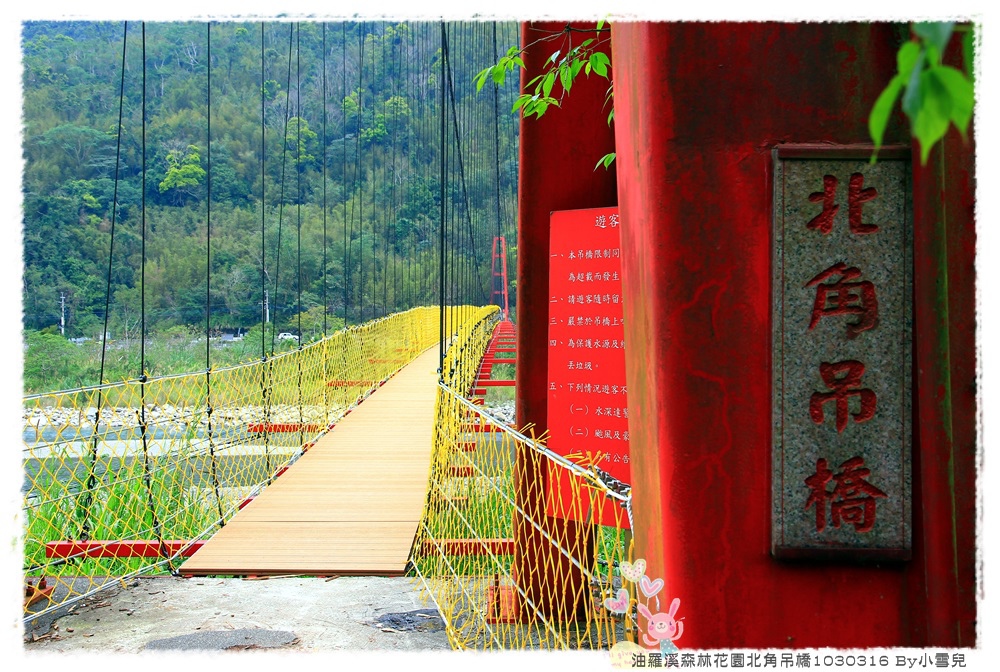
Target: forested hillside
{"x":246,"y":161}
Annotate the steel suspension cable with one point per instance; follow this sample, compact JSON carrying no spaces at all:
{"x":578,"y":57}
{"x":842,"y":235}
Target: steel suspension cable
{"x":298,"y":215}
{"x":442,"y":263}
{"x":326,"y":303}
{"x":267,"y":365}
{"x":390,"y":222}
{"x":91,"y":475}
{"x":343,"y":116}
{"x":208,"y":279}
{"x":143,"y":434}
{"x":284,"y":155}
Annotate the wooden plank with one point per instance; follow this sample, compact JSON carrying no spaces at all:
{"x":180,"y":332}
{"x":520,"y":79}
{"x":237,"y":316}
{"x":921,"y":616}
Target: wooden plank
{"x":352,"y":503}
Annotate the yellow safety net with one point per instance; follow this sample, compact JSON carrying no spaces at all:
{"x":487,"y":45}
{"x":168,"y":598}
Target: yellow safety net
{"x":123,"y":468}
{"x":510,"y":547}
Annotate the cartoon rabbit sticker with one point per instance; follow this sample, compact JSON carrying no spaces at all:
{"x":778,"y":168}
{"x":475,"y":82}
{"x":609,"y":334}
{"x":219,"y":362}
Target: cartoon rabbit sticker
{"x":662,"y":627}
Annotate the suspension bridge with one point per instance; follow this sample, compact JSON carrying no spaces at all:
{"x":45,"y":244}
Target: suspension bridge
{"x":372,"y":449}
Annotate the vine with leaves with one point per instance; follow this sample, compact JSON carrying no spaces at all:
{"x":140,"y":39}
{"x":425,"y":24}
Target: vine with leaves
{"x":564,"y":65}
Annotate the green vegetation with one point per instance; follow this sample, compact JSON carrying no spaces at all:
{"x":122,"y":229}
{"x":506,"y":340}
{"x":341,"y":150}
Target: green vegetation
{"x":118,"y":510}
{"x":51,"y":362}
{"x":380,"y":121}
{"x":565,"y":64}
{"x":935,"y":95}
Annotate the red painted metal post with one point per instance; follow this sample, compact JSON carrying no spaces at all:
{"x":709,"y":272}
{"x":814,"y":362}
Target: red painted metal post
{"x":698,"y":108}
{"x":557,"y":157}
{"x":150,"y":548}
{"x":499,"y":295}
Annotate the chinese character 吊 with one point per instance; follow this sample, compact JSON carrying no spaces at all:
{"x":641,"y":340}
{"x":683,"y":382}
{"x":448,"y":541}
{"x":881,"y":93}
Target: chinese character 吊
{"x":852,"y":499}
{"x":841,"y":297}
{"x":844,"y":379}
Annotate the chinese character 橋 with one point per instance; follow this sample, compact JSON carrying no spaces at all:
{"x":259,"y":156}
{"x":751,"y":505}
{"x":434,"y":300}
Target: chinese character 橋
{"x":857,"y":196}
{"x":852,"y":499}
{"x":844,"y":379}
{"x":842,"y":297}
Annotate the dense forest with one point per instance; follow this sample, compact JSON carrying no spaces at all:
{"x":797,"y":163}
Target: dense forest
{"x":292,"y":169}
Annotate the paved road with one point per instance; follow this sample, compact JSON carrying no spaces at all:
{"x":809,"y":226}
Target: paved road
{"x":198,"y":614}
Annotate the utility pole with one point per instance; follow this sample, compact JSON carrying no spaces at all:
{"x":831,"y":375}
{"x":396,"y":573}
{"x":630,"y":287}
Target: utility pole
{"x":62,"y":314}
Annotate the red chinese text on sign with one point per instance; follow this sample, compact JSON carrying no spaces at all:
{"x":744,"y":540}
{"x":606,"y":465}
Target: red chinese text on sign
{"x":587,"y":395}
{"x":852,"y":499}
{"x":844,"y":379}
{"x":857,"y":196}
{"x":842,"y":297}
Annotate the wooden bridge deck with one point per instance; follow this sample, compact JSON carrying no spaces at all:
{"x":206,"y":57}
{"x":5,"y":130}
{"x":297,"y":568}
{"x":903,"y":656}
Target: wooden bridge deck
{"x":352,"y":503}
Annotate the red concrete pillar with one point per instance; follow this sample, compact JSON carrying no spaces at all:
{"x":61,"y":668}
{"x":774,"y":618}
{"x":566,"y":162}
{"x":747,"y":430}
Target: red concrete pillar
{"x":941,"y":584}
{"x":698,"y":108}
{"x":557,"y":157}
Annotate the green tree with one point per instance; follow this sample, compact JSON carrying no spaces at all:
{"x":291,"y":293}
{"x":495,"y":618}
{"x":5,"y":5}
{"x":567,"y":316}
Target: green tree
{"x":48,"y":360}
{"x":184,"y":173}
{"x":300,"y":143}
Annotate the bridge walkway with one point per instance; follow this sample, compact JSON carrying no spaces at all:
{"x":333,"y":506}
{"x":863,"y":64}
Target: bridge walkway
{"x":352,"y":503}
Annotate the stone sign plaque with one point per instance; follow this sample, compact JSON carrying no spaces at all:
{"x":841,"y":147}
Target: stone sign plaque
{"x":842,"y":327}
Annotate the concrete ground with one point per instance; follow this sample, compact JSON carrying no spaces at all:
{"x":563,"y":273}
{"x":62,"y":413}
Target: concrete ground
{"x":219,"y":614}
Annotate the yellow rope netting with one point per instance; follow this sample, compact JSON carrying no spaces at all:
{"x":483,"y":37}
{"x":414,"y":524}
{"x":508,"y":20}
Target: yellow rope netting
{"x":169,"y":460}
{"x":510,"y":549}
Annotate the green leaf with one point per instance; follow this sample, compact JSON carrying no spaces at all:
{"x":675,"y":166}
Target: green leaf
{"x":961,"y":92}
{"x":906,"y":57}
{"x":547,"y":83}
{"x":554,"y":56}
{"x":933,"y":55}
{"x":914,"y":96}
{"x":936,"y":33}
{"x":600,"y":24}
{"x":499,"y":75}
{"x":565,"y":77}
{"x":598,"y":64}
{"x":481,"y":78}
{"x":879,"y":117}
{"x":932,"y":119}
{"x":576,"y":65}
{"x":517,"y":60}
{"x":605,"y":160}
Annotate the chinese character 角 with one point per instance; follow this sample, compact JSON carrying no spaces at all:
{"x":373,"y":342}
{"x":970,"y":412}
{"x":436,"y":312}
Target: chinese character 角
{"x":841,"y":297}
